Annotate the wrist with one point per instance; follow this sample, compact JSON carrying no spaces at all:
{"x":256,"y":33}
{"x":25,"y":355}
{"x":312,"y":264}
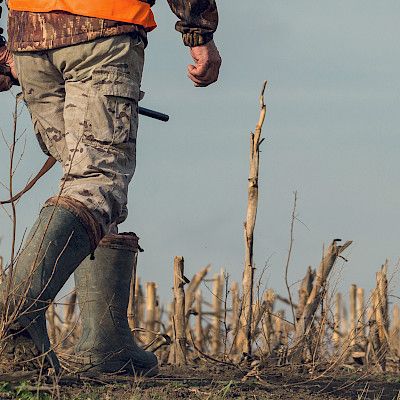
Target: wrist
{"x":195,"y":39}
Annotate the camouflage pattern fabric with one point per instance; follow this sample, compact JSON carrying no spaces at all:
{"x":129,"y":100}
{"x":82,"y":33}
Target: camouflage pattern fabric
{"x":28,"y":31}
{"x":198,"y":20}
{"x":83,"y":102}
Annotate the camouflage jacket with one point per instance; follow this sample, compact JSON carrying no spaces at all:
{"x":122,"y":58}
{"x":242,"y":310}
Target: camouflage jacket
{"x":28,"y":31}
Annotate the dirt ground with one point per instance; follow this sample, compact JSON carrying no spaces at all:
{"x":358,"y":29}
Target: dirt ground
{"x":210,"y":382}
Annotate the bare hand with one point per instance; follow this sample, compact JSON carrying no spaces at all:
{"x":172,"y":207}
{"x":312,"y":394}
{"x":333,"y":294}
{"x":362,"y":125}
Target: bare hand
{"x":207,"y":64}
{"x":7,"y":68}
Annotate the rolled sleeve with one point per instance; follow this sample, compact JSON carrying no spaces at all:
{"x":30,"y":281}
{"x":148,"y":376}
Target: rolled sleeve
{"x":198,"y":20}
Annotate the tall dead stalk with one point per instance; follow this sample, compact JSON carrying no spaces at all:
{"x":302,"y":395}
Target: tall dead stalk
{"x":179,"y":316}
{"x":151,"y":306}
{"x":307,"y":318}
{"x":249,"y":225}
{"x":382,"y":313}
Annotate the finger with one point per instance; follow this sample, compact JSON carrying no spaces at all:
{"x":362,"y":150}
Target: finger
{"x":13,"y":70}
{"x":5,"y":83}
{"x":195,"y":84}
{"x":199,"y":70}
{"x":200,"y":83}
{"x":197,"y":80}
{"x":211,"y":70}
{"x":5,"y":70}
{"x":210,"y":77}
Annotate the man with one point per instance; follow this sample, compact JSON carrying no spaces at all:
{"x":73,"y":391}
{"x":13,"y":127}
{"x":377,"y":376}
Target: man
{"x":80,"y":67}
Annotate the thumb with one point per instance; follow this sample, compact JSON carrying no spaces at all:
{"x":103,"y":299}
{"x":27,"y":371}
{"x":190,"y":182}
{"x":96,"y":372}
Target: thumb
{"x":6,"y":58}
{"x":11,"y":64}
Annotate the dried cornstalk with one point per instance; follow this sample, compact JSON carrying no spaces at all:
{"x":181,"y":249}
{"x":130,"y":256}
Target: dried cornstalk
{"x":373,"y":328}
{"x":395,"y":329}
{"x":70,"y":308}
{"x":382,"y":313}
{"x":69,"y":320}
{"x":179,"y":317}
{"x":353,"y":314}
{"x":191,"y":289}
{"x":314,"y":299}
{"x":51,"y":320}
{"x":258,"y":313}
{"x":170,"y":328}
{"x":216,"y":334}
{"x":249,"y":225}
{"x":304,"y":291}
{"x":259,"y":310}
{"x":344,"y":326}
{"x":235,"y":318}
{"x":382,"y":285}
{"x":158,"y":315}
{"x":268,"y":328}
{"x":336,"y":322}
{"x":133,"y":296}
{"x":199,"y":321}
{"x":278,"y":327}
{"x":361,"y":331}
{"x":1,"y":269}
{"x":151,"y":305}
{"x":234,"y":321}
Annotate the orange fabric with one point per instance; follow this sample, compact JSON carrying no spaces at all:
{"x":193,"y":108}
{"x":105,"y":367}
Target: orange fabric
{"x":133,"y":11}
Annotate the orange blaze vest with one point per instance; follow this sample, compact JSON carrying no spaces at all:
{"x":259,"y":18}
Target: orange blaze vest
{"x":133,"y":11}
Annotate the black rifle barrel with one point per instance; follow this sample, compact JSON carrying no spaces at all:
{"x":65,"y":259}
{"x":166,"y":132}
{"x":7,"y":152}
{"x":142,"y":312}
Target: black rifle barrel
{"x":153,"y":114}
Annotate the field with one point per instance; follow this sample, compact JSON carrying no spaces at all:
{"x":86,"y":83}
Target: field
{"x":212,"y":382}
{"x":219,"y":339}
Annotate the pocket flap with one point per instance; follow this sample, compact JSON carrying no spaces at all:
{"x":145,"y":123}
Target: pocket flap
{"x":115,"y":83}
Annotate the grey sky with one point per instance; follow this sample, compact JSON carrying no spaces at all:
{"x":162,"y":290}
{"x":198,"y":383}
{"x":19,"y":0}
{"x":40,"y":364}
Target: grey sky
{"x":331,"y":133}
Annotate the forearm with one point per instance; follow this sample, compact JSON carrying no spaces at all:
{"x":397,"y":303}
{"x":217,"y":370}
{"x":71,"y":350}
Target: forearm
{"x":198,"y":20}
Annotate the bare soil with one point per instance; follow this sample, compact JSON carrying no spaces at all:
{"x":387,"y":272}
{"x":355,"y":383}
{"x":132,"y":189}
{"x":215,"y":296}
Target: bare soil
{"x":212,"y":382}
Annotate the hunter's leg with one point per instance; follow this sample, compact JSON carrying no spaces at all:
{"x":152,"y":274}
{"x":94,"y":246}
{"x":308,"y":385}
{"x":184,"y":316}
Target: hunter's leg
{"x":102,"y":91}
{"x":65,"y":232}
{"x":44,"y":93}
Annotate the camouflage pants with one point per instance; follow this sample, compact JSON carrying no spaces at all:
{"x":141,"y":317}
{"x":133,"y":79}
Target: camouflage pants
{"x":83,"y":102}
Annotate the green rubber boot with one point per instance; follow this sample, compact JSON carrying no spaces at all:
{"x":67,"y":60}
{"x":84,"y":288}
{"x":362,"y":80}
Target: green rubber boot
{"x":63,"y":236}
{"x":107,"y":344}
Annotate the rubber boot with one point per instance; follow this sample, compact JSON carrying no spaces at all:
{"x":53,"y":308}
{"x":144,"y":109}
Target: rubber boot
{"x":103,"y":284}
{"x":63,"y":236}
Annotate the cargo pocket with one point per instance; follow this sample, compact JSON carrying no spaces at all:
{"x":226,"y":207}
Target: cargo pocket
{"x":111,"y":115}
